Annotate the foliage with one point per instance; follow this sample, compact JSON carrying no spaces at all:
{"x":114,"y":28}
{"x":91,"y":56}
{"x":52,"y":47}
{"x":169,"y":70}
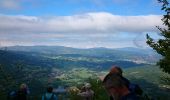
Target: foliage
{"x":165,"y":79}
{"x":148,"y":78}
{"x":97,"y":87}
{"x":7,"y":80}
{"x":162,"y":46}
{"x":35,"y":69}
{"x":99,"y":91}
{"x":13,"y":72}
{"x":73,"y":91}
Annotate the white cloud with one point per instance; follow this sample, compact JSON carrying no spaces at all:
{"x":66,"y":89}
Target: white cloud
{"x":99,"y":29}
{"x":85,"y":23}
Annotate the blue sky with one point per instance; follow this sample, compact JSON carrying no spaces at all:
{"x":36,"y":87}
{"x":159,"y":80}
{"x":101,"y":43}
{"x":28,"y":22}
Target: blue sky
{"x":70,"y":7}
{"x":79,"y":23}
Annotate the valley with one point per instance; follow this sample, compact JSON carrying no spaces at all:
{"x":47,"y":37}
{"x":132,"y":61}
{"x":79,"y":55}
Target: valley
{"x":64,"y":66}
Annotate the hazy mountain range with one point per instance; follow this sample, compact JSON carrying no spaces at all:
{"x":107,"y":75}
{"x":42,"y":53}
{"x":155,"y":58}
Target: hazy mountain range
{"x":65,"y":56}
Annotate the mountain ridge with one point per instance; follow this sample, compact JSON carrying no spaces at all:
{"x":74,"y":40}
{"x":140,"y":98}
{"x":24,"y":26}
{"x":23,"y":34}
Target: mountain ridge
{"x":129,"y":54}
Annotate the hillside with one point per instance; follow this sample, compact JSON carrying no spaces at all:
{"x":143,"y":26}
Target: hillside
{"x":66,"y":57}
{"x":63,"y":65}
{"x":133,"y":54}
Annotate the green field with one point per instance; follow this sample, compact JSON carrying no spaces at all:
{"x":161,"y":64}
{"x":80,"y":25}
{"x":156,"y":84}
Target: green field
{"x":149,"y":78}
{"x":39,"y":69}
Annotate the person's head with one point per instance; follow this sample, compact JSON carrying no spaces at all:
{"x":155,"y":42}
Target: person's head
{"x":23,"y":87}
{"x":116,"y":70}
{"x":114,"y":85}
{"x":49,"y":89}
{"x":87,"y":85}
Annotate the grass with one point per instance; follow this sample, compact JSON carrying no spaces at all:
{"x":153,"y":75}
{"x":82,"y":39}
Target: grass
{"x":149,"y":78}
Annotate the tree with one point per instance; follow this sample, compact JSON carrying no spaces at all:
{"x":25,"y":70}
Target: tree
{"x":162,"y":46}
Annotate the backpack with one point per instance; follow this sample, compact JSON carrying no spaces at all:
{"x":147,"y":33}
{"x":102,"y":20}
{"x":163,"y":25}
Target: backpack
{"x":51,"y":98}
{"x":134,"y":88}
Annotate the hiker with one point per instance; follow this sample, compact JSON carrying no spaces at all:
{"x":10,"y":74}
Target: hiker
{"x":87,"y":93}
{"x":83,"y":89}
{"x":49,"y":95}
{"x":117,"y":70}
{"x":117,"y":86}
{"x":22,"y":92}
{"x":134,"y":88}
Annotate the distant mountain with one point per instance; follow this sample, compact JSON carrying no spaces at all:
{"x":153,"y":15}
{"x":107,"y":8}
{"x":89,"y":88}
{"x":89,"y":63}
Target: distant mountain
{"x":127,"y":54}
{"x":137,"y":50}
{"x":42,"y":49}
{"x":9,"y":59}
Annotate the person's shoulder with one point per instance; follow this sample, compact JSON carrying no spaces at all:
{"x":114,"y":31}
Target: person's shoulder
{"x":42,"y":97}
{"x":55,"y":96}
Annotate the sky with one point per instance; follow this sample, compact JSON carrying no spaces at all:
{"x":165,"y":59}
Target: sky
{"x":79,"y":23}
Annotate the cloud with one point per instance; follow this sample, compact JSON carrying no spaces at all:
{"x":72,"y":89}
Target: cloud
{"x":86,"y":23}
{"x":10,"y":4}
{"x":83,"y":30}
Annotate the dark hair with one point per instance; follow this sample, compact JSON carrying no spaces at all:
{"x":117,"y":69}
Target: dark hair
{"x":119,"y":69}
{"x":113,"y":80}
{"x":49,"y":89}
{"x":116,"y":69}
